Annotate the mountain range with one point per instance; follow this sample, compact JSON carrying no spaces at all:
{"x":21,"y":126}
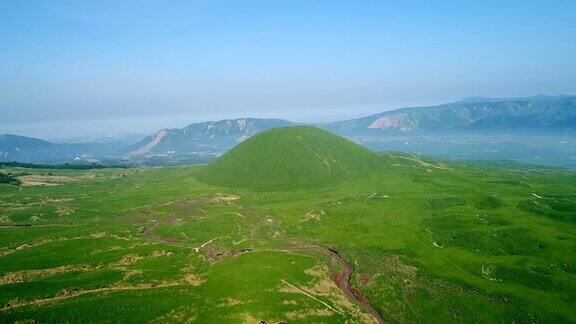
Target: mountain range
{"x":23,"y":149}
{"x":523,"y":129}
{"x":541,"y":114}
{"x":206,"y":136}
{"x":477,"y":114}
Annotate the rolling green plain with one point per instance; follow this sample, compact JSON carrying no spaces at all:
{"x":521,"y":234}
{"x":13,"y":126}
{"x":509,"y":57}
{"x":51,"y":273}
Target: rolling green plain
{"x":428,"y":240}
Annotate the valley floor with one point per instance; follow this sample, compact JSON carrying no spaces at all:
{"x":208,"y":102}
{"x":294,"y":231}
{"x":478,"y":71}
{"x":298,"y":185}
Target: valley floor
{"x":426,"y":241}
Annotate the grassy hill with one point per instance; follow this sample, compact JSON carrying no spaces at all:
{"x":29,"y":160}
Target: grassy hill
{"x":291,"y":158}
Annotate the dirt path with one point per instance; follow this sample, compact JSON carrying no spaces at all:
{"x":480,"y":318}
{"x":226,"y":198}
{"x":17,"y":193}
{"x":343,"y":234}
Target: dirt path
{"x":342,"y":280}
{"x":149,"y":232}
{"x":311,"y":296}
{"x":198,"y":248}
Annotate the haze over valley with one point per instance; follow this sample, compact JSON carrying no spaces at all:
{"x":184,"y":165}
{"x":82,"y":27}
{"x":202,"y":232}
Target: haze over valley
{"x":538,"y":130}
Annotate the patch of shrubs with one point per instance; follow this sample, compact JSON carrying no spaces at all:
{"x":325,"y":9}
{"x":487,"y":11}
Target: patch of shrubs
{"x":512,"y":241}
{"x":563,"y":209}
{"x":9,"y":179}
{"x":488,"y":202}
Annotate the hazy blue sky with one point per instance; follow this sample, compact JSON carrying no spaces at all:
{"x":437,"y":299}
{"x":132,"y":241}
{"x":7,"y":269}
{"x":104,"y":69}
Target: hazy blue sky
{"x":85,"y":67}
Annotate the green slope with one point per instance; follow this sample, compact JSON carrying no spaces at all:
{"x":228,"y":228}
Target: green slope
{"x":431,"y":241}
{"x":291,"y":158}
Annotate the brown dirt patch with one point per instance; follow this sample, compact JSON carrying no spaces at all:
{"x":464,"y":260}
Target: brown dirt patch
{"x":27,"y":275}
{"x":230,"y":302}
{"x":302,"y":314}
{"x":149,"y":232}
{"x":192,"y":279}
{"x":157,"y":254}
{"x":220,"y":197}
{"x":342,"y":280}
{"x":128,"y":260}
{"x":51,"y":180}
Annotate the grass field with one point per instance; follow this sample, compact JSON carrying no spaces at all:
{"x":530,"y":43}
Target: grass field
{"x":429,"y":241}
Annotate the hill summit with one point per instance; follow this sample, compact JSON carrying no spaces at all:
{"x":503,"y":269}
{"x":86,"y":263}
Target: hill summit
{"x":290,"y":158}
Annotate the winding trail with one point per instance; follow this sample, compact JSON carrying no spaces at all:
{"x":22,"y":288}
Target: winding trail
{"x":311,"y":296}
{"x":342,"y":280}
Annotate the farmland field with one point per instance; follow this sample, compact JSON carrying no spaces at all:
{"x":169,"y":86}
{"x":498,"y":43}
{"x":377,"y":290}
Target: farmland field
{"x":427,"y":240}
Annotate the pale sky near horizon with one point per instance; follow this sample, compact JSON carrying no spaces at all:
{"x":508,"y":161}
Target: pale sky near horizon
{"x":78,"y":68}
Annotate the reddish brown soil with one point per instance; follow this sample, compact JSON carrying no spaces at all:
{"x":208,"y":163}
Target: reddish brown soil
{"x":342,"y":280}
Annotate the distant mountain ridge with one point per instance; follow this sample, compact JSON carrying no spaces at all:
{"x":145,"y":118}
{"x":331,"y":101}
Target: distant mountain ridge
{"x":476,"y":114}
{"x":32,"y":150}
{"x":212,"y":135}
{"x":434,"y":130}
